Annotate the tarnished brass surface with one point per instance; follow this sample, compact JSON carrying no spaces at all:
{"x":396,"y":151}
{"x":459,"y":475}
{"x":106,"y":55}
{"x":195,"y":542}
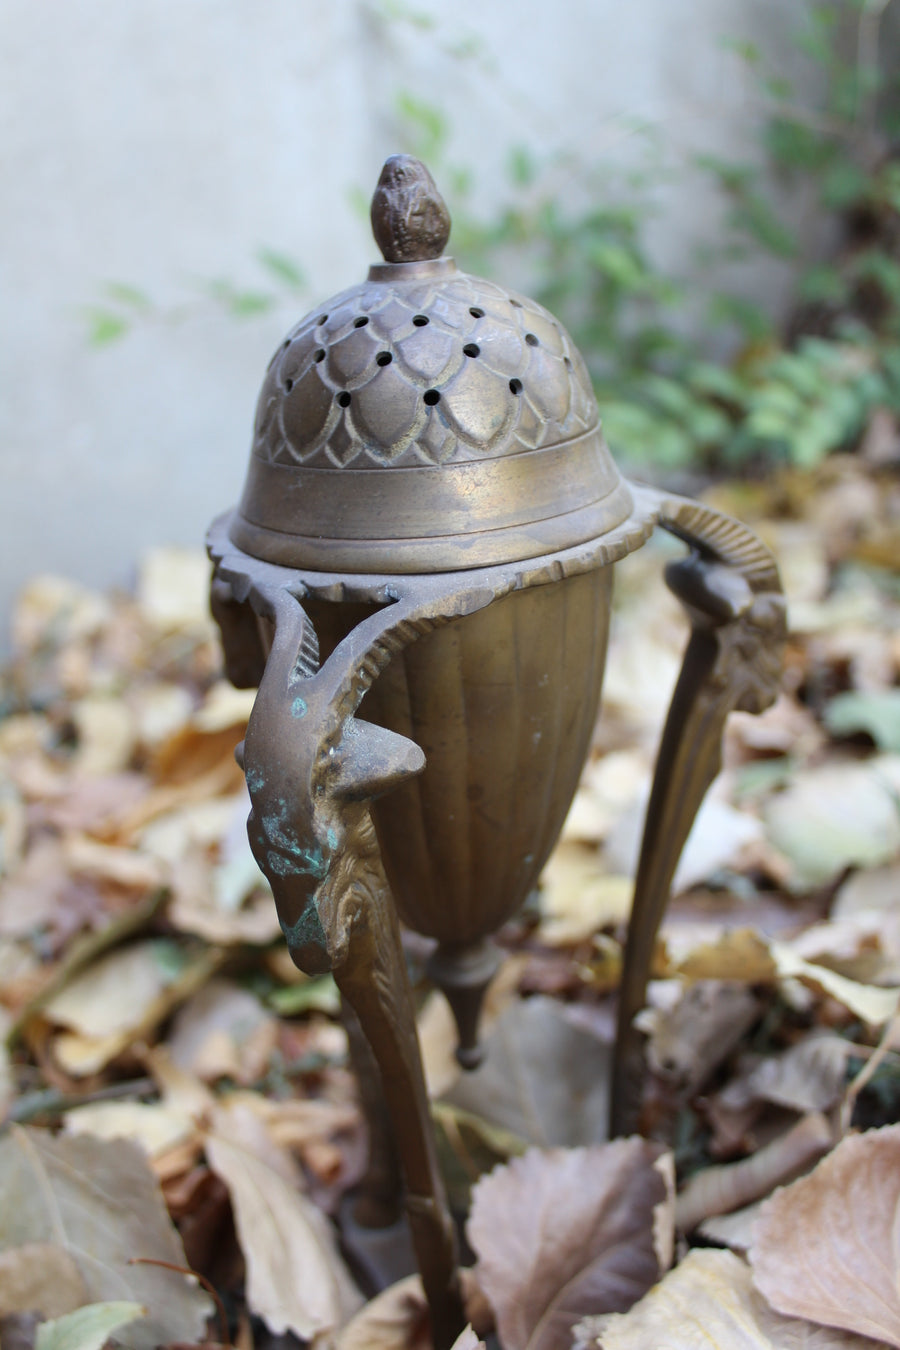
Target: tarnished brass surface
{"x":503,"y":704}
{"x":409,"y":219}
{"x":312,"y":768}
{"x":425,"y":421}
{"x":732,"y":593}
{"x":504,"y":707}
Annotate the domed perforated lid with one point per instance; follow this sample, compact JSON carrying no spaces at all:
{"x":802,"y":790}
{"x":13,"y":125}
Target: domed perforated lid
{"x":426,"y":420}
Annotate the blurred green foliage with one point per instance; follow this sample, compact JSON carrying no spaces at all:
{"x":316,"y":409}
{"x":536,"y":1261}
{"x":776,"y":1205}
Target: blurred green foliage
{"x":790,"y":397}
{"x":646,"y":336}
{"x":123,"y":306}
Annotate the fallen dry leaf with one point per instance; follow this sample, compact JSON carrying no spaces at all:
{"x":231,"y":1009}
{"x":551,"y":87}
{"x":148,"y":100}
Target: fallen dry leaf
{"x":561,"y":1233}
{"x":826,"y":1247}
{"x":223,"y":1031}
{"x":105,"y":734}
{"x":196,"y":907}
{"x":53,"y":607}
{"x":851,"y":947}
{"x":809,"y":1076}
{"x":690,"y":1040}
{"x":100,"y":1202}
{"x":732,"y":1230}
{"x":784,"y":728}
{"x":578,"y":899}
{"x":224,"y":707}
{"x":160,"y":709}
{"x":608,"y":785}
{"x":468,"y":1341}
{"x":543,"y":1079}
{"x":438,"y":1038}
{"x":121,"y":998}
{"x":13,"y":828}
{"x":717,"y":839}
{"x":281,"y":1232}
{"x":31,"y":897}
{"x":875,"y":711}
{"x":708,"y":1303}
{"x":436,"y":1025}
{"x":40,"y":1277}
{"x":329,"y":1137}
{"x":835,"y":816}
{"x":873,"y":890}
{"x":96,"y":805}
{"x":173,"y":588}
{"x":719,"y":1190}
{"x":735,"y":954}
{"x":180,"y":1091}
{"x":125,"y":867}
{"x":155,"y":1128}
{"x":111,"y":995}
{"x":872,"y":1003}
{"x":397,"y":1318}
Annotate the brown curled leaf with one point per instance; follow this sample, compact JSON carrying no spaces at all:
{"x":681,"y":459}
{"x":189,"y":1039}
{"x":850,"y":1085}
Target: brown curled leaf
{"x":564,"y":1232}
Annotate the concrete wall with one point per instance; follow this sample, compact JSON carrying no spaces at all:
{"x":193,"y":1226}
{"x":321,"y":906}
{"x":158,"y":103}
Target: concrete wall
{"x":161,"y":143}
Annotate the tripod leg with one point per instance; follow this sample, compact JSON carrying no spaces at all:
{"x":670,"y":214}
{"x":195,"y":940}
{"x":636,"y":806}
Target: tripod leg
{"x":311,"y":770}
{"x":730,"y":588}
{"x":374,"y":981}
{"x":379,"y":1202}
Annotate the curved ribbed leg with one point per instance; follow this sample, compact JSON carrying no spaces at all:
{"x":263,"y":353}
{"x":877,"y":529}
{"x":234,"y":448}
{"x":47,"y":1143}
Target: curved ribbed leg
{"x":730,"y":588}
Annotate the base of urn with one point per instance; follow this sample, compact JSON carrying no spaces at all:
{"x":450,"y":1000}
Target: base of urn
{"x":463,"y":973}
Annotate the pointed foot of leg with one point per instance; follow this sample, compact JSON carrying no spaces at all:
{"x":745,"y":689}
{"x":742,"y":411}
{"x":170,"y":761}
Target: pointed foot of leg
{"x":470,"y":1056}
{"x":463,"y":973}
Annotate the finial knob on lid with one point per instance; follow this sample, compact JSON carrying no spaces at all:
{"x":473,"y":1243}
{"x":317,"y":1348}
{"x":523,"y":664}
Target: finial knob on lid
{"x":410,"y":220}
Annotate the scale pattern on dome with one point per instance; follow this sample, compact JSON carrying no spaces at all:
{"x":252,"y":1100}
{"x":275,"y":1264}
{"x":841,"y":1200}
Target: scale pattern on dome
{"x":426,"y":371}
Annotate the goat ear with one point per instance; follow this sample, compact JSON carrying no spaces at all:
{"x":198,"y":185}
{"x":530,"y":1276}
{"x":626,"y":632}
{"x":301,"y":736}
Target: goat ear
{"x":371,"y":760}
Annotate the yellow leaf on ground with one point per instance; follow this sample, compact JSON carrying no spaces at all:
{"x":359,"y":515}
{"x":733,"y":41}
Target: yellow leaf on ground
{"x":708,"y":1303}
{"x":224,"y":707}
{"x":106,"y":735}
{"x":578,"y":899}
{"x":280,"y":1230}
{"x":738,"y":954}
{"x":151,"y":1125}
{"x":173,"y":588}
{"x":111,"y":995}
{"x":872,"y":1003}
{"x":122,"y":997}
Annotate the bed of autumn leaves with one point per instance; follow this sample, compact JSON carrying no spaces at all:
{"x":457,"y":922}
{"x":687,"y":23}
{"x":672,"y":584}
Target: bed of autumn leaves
{"x":175,"y":1096}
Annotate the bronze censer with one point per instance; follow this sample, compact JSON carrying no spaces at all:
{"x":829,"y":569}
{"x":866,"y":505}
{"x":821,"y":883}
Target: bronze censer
{"x":418,"y":579}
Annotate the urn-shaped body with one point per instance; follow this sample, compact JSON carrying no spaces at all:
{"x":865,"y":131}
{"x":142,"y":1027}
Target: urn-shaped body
{"x":503,"y":702}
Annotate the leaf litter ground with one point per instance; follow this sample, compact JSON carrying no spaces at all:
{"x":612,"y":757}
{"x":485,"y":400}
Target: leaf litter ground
{"x":147,"y":998}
